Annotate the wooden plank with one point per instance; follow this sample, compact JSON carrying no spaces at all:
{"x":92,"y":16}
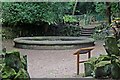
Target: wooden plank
{"x":83,"y":50}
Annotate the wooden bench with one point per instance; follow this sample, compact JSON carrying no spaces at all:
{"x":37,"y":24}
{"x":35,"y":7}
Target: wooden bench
{"x":82,"y":51}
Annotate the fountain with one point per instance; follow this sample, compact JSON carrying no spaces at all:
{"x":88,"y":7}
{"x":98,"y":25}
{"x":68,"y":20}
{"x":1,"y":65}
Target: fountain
{"x":53,"y":42}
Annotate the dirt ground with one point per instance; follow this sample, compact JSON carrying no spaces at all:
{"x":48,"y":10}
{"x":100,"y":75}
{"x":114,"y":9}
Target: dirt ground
{"x":54,"y":63}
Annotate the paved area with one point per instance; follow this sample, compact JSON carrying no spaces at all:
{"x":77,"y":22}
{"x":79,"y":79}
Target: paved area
{"x":54,"y":63}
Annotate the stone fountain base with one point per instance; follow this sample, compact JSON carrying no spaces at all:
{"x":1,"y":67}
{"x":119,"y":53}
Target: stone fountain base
{"x":53,"y":42}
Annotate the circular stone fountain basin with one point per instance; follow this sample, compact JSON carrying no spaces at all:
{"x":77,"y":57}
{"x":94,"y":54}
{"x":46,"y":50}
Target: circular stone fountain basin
{"x":53,"y":42}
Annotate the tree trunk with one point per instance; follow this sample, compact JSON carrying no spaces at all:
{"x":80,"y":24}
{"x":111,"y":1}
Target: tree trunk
{"x":74,"y":7}
{"x":119,"y":9}
{"x":46,"y":28}
{"x":108,"y":12}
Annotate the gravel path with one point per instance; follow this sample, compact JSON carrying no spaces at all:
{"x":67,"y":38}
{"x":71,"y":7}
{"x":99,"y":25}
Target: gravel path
{"x":53,"y":63}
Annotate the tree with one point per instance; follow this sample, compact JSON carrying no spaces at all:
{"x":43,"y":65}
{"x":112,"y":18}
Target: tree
{"x":107,"y":9}
{"x":100,"y":8}
{"x":76,"y":1}
{"x":28,"y":12}
{"x":27,"y":15}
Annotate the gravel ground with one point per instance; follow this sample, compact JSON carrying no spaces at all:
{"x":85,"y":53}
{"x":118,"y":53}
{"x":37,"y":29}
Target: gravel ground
{"x":54,"y":63}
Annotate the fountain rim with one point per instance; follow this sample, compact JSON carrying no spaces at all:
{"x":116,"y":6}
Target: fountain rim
{"x":28,"y":40}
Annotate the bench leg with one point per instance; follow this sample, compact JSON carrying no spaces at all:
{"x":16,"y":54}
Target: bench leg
{"x":77,"y":64}
{"x":89,"y":54}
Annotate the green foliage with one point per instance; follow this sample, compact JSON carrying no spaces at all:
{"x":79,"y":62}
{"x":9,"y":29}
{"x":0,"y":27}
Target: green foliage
{"x":102,"y":69}
{"x":102,"y":58}
{"x":111,"y":46}
{"x":101,"y":8}
{"x":28,"y":12}
{"x":60,"y":30}
{"x":115,"y":7}
{"x":92,"y":60}
{"x":22,"y":74}
{"x":1,"y":64}
{"x":104,"y":30}
{"x":71,"y":30}
{"x":89,"y":67}
{"x":85,"y":8}
{"x":105,"y":66}
{"x":102,"y":63}
{"x":9,"y":33}
{"x":99,"y":36}
{"x":115,"y":69}
{"x":14,"y":67}
{"x":68,"y":18}
{"x":94,"y":65}
{"x":12,"y":59}
{"x":8,"y":72}
{"x":101,"y":31}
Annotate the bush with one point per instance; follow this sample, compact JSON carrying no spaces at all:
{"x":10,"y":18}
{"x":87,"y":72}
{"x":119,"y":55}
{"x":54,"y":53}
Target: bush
{"x":14,"y":66}
{"x":69,"y":19}
{"x":9,"y":33}
{"x":18,"y":13}
{"x":101,"y":31}
{"x":64,"y":30}
{"x":105,"y":66}
{"x":71,"y":30}
{"x":53,"y":30}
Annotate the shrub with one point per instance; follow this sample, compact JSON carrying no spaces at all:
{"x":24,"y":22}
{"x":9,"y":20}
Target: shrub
{"x":64,"y":30}
{"x":101,"y":31}
{"x":105,"y":66}
{"x":14,"y":66}
{"x":27,"y":12}
{"x":9,"y":33}
{"x":71,"y":30}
